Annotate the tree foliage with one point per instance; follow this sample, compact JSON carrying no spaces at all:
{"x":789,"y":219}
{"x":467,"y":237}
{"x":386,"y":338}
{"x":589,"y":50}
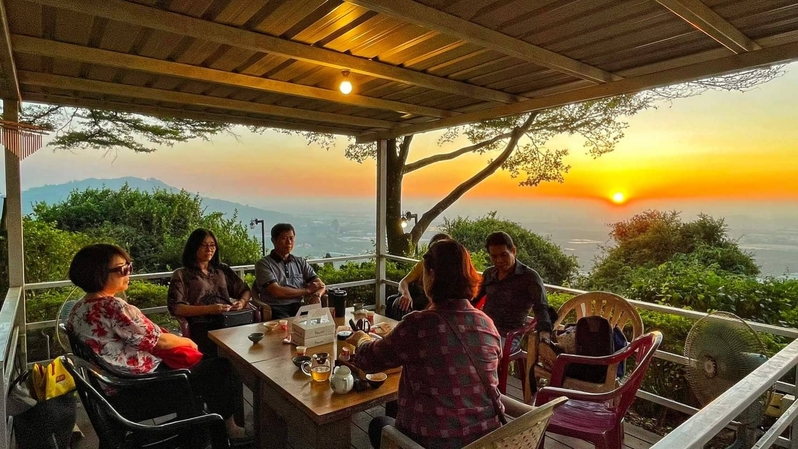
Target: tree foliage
{"x":152,"y":226}
{"x":79,"y":128}
{"x":653,"y":237}
{"x":548,"y":259}
{"x":49,"y":250}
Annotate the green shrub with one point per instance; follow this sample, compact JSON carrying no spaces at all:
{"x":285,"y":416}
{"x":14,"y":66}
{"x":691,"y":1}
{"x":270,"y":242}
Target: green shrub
{"x":548,"y":259}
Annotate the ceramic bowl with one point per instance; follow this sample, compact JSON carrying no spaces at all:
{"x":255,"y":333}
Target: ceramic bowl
{"x":271,"y":325}
{"x":255,"y":337}
{"x":300,"y":359}
{"x":376,"y":379}
{"x":343,"y":335}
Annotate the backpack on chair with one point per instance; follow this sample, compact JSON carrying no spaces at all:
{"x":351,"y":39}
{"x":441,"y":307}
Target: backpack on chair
{"x":595,"y":338}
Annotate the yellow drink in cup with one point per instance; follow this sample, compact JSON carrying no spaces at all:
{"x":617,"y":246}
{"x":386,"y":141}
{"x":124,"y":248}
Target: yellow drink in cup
{"x":320,"y":373}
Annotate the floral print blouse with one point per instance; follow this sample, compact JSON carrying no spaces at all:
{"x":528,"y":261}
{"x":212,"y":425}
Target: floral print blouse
{"x":118,"y":332}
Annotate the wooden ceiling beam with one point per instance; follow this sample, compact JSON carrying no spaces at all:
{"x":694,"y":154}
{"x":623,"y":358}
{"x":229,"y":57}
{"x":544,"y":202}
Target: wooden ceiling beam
{"x":9,"y":84}
{"x":729,"y":64}
{"x":88,"y":55}
{"x":707,"y":21}
{"x":436,"y":20}
{"x":146,"y":93}
{"x":167,"y":112}
{"x":154,"y":18}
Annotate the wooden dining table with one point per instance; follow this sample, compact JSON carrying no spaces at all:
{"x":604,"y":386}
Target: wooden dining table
{"x":286,"y":402}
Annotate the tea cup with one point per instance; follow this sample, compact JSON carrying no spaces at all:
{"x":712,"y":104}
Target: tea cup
{"x":255,"y":337}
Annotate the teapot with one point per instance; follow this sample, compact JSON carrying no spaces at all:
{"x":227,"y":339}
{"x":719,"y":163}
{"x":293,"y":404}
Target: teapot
{"x":342,"y":380}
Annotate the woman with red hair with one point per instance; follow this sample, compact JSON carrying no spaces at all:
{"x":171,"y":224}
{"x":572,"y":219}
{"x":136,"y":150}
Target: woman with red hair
{"x":448,"y":392}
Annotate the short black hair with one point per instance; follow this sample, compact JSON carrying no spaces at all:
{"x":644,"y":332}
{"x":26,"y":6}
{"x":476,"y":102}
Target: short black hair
{"x":89,"y":269}
{"x":499,"y":238}
{"x":193,"y":245}
{"x":279,"y":228}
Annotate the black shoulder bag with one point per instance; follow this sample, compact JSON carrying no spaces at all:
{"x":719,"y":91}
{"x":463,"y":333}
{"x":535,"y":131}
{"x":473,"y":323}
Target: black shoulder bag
{"x":485,"y":384}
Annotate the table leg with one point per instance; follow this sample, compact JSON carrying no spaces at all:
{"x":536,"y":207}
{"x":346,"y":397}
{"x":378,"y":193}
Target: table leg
{"x":271,"y":430}
{"x":336,"y":435}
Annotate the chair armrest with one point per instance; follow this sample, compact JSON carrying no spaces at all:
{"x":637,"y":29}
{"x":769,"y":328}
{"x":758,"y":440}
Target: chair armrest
{"x":257,"y":315}
{"x":514,"y":408}
{"x":513,"y":334}
{"x":393,"y":438}
{"x":265,"y":309}
{"x":546,"y":394}
{"x":213,"y":423}
{"x":563,"y":360}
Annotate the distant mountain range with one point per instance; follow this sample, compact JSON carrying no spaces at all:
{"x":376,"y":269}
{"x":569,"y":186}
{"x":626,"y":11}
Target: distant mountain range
{"x":51,"y":194}
{"x":316,"y":236}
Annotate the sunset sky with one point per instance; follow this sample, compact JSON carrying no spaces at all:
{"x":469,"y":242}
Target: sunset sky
{"x":725,"y":145}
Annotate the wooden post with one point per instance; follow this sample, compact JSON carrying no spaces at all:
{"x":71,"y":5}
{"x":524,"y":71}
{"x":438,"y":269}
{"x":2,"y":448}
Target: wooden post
{"x":16,"y":257}
{"x":382,"y":211}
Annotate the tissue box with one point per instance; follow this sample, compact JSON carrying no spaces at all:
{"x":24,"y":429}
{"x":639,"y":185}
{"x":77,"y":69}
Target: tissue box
{"x":313,"y":326}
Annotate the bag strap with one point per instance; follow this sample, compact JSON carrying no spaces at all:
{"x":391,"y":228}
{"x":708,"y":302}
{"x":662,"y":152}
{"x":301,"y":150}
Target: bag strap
{"x":485,"y":384}
{"x":21,"y":378}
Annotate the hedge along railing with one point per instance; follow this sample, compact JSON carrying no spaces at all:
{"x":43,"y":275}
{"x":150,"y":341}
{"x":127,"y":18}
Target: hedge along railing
{"x":239,"y":269}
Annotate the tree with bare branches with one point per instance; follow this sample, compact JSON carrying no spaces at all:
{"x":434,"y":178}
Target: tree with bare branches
{"x":518,"y":144}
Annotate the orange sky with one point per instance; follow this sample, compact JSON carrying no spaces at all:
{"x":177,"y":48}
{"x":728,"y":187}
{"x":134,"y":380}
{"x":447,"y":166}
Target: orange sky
{"x":724,"y":145}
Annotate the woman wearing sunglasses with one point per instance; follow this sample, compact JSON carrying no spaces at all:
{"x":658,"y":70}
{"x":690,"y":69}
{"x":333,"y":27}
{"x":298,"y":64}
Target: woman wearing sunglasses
{"x":125,"y":338}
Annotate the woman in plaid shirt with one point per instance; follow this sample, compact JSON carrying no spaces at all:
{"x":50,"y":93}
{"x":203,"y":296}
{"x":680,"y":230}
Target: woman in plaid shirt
{"x":442,"y":400}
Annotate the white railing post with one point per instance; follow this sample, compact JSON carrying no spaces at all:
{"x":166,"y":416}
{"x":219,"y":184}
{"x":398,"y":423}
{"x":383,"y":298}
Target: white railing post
{"x":382,"y":211}
{"x":13,"y":206}
{"x":794,"y":426}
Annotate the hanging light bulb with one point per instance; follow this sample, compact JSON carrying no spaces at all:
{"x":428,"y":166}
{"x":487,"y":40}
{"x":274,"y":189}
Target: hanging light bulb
{"x":346,"y":86}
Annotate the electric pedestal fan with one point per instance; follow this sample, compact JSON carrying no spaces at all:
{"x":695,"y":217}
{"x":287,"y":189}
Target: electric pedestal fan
{"x":723,"y":349}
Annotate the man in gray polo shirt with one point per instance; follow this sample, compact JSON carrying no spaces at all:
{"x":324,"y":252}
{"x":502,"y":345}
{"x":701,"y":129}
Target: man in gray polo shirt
{"x":283,"y":280}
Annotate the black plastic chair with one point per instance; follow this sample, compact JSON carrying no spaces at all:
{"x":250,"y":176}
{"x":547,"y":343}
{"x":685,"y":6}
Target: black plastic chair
{"x":148,"y":396}
{"x":116,"y":431}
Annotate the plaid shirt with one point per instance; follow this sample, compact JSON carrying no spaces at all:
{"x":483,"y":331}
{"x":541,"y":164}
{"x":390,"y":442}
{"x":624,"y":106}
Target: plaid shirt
{"x":442,"y":401}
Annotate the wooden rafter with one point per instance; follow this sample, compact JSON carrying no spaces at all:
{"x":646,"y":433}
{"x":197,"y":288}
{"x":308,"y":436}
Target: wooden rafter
{"x":728,"y":64}
{"x":149,"y":17}
{"x":434,"y":19}
{"x":44,"y":47}
{"x":710,"y":23}
{"x":146,"y":93}
{"x":162,"y":111}
{"x":9,"y":85}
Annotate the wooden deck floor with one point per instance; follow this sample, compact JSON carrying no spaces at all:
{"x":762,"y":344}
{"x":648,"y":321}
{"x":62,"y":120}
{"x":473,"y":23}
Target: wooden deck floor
{"x":636,"y":438}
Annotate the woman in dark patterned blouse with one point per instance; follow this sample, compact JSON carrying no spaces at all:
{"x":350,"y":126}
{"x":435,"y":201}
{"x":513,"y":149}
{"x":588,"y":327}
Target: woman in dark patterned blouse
{"x":204,"y":287}
{"x":442,"y":400}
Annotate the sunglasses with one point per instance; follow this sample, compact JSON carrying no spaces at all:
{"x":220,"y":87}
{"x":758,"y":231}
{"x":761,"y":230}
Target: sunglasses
{"x":124,"y":270}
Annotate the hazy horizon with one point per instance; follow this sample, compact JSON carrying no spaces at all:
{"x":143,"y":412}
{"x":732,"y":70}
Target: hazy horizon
{"x":728,"y":154}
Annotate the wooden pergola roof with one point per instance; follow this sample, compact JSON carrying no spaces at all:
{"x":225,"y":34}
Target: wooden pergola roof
{"x":416,"y":65}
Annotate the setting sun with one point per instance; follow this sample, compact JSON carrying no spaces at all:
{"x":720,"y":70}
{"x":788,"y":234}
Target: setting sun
{"x":618,"y":198}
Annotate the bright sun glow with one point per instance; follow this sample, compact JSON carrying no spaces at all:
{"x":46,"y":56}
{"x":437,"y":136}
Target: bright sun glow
{"x":618,"y":198}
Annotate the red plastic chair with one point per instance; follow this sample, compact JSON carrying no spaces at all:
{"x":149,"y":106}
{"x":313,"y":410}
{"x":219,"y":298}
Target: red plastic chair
{"x":598,"y":417}
{"x":518,"y":356}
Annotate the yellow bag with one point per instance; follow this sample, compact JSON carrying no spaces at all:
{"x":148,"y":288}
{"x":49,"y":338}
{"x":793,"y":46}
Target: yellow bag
{"x":52,"y":381}
{"x":39,"y":382}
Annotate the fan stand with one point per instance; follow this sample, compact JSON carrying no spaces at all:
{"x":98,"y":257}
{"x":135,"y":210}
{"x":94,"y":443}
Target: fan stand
{"x":746,"y":438}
